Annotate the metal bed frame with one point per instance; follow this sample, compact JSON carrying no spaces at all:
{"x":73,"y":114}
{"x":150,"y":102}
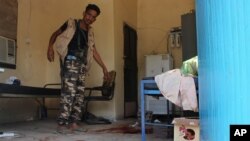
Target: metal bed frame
{"x":16,"y":91}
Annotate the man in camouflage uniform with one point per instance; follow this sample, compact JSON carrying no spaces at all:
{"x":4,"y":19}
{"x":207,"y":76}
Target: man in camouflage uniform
{"x":75,"y":62}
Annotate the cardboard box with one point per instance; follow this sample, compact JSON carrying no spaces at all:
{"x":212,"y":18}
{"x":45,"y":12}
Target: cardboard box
{"x":186,"y":129}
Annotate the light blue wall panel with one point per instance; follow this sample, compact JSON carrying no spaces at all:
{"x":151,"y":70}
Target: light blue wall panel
{"x":223,"y":36}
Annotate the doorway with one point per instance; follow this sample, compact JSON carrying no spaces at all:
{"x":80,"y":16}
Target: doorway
{"x":130,"y":71}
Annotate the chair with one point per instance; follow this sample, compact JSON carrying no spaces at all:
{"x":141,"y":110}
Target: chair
{"x":104,"y":93}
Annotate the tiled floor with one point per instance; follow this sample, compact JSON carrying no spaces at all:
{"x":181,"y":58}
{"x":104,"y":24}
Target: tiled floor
{"x":44,"y":130}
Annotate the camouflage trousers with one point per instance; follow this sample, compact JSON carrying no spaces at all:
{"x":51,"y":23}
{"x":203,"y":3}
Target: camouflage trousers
{"x":73,"y":83}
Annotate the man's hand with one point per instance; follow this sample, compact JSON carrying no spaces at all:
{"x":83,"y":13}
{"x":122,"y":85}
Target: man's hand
{"x":106,"y":75}
{"x":50,"y":54}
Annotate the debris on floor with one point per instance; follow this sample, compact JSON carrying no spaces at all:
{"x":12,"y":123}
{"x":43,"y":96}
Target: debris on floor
{"x":6,"y":134}
{"x":10,"y":135}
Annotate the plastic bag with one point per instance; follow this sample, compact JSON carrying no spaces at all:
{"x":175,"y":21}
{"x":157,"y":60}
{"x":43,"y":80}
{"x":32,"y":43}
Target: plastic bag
{"x":190,"y":67}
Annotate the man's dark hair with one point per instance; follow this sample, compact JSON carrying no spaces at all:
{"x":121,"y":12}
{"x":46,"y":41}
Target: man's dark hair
{"x":93,"y":7}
